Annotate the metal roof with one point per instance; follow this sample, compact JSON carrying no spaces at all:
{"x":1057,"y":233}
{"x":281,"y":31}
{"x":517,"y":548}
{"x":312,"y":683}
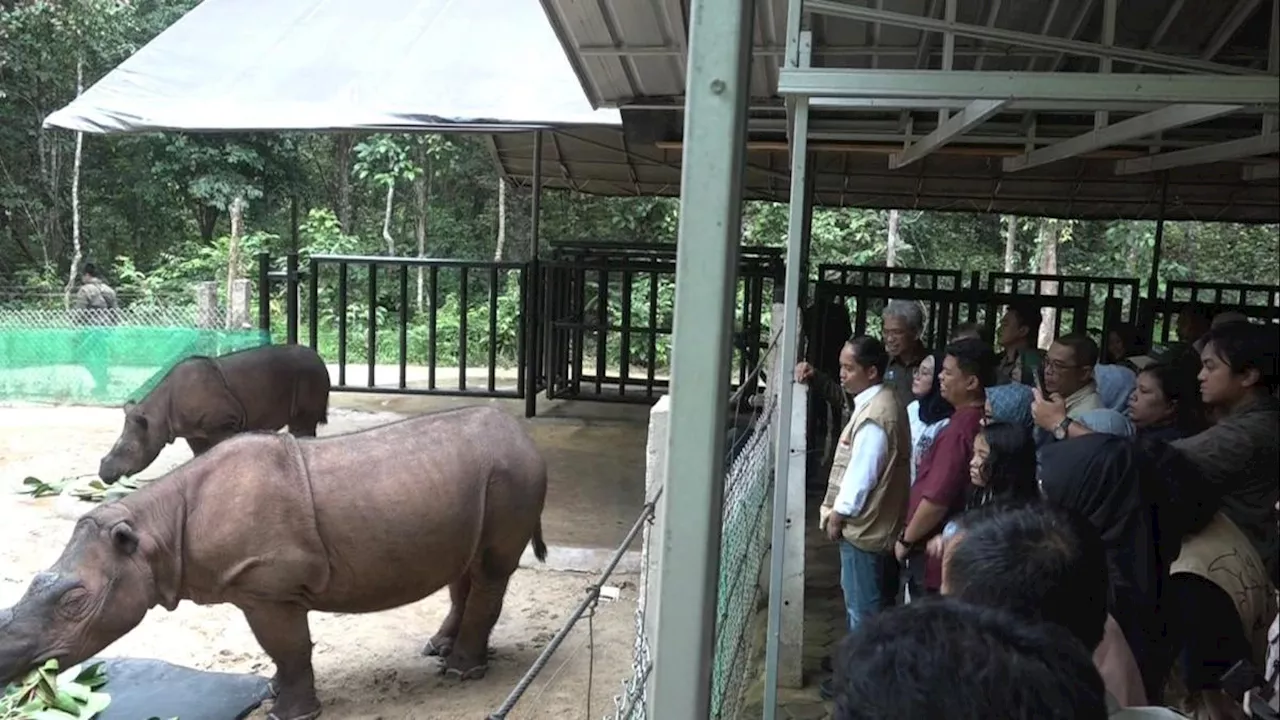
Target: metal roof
{"x":629,"y":54}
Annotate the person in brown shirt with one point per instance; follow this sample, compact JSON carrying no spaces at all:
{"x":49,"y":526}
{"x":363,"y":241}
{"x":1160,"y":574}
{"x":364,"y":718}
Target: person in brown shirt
{"x":903,"y":326}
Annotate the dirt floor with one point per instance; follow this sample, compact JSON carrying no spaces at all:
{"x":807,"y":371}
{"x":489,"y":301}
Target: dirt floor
{"x":368,"y":666}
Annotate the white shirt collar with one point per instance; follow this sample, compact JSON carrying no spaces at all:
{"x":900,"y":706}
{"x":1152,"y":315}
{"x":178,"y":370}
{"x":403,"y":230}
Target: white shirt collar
{"x":861,"y":399}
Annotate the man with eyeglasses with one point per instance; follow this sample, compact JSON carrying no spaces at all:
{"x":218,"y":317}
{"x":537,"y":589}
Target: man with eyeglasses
{"x":1069,"y":386}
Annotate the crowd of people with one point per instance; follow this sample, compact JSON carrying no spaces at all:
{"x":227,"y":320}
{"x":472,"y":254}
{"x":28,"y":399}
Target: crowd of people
{"x":1083,"y":531}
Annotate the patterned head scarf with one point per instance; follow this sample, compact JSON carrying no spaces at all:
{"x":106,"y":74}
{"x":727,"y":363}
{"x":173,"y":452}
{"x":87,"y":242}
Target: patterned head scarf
{"x":1011,"y":404}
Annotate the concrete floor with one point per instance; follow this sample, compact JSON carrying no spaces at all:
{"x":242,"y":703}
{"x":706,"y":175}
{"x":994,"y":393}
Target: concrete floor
{"x":595,"y":451}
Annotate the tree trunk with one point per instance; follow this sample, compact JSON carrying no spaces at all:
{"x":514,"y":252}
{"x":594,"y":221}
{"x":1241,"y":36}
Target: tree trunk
{"x":386,"y":219}
{"x":420,"y":190}
{"x":1047,"y":240}
{"x":233,"y":250}
{"x":343,"y":143}
{"x":1010,"y":243}
{"x":75,"y":197}
{"x":502,"y":219}
{"x":891,"y":245}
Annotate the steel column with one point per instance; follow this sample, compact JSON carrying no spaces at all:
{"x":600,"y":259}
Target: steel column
{"x":785,"y":382}
{"x":710,"y":231}
{"x":533,"y":295}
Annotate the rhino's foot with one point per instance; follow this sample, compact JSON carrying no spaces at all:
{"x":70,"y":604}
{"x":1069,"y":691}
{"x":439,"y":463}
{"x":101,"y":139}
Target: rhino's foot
{"x":438,"y":647}
{"x":309,"y":710}
{"x":475,"y":673}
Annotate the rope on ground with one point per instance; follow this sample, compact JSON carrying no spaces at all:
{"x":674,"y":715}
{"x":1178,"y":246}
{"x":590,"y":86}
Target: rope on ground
{"x":588,"y":603}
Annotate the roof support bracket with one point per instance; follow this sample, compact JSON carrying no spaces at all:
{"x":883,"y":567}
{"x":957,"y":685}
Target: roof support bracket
{"x":1125,"y":131}
{"x":976,"y":113}
{"x":1203,"y":155}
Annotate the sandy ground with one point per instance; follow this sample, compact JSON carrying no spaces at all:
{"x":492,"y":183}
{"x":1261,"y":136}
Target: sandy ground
{"x":367,"y":666}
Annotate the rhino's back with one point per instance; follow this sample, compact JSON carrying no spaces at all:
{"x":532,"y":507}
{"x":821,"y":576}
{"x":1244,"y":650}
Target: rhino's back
{"x":402,"y":507}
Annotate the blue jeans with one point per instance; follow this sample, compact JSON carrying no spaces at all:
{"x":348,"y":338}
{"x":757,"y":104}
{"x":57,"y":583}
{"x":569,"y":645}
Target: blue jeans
{"x":862,"y":576}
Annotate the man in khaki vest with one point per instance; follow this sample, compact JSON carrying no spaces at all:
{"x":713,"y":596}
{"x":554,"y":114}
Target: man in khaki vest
{"x":870,"y":480}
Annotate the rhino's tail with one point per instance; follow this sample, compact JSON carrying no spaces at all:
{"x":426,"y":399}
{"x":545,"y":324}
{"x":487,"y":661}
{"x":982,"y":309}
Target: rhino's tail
{"x":539,"y":547}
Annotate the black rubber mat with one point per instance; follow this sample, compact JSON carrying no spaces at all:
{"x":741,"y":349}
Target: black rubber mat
{"x":142,"y":689}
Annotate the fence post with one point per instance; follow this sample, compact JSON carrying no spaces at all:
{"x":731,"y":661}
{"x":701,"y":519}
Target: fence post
{"x":207,"y":304}
{"x":291,"y":298}
{"x":238,"y":304}
{"x":264,"y":292}
{"x":655,"y":478}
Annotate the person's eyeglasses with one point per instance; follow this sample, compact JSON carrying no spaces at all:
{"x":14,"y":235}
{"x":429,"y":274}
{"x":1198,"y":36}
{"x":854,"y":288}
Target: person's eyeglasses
{"x":1057,"y":366}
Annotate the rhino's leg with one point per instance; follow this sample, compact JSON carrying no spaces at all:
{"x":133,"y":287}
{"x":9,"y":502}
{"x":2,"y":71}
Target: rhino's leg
{"x":441,"y":644}
{"x":284,"y":634}
{"x":489,"y":579}
{"x":301,"y":428}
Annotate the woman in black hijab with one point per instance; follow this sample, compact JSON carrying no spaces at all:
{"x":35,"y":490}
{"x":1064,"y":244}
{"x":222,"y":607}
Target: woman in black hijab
{"x":1110,"y":481}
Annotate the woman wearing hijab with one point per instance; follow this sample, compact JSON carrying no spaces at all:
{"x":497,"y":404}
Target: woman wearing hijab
{"x":1010,"y":404}
{"x":1103,"y":477}
{"x":929,"y":412}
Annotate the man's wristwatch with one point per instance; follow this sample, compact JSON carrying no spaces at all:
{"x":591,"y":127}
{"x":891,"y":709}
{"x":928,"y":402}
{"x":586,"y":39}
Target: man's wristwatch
{"x":902,"y":538}
{"x":1060,"y":432}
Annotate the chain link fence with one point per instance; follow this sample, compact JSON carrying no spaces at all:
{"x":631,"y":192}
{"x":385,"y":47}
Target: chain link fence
{"x":105,"y":356}
{"x":746,"y":524}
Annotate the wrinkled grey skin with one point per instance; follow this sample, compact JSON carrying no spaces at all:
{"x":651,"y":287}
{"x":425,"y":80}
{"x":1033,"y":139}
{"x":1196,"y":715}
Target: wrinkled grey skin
{"x":207,"y":400}
{"x":277,"y":527}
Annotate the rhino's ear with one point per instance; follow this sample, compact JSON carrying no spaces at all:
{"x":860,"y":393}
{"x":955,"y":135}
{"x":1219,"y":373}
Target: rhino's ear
{"x":129,"y":405}
{"x":124,"y":538}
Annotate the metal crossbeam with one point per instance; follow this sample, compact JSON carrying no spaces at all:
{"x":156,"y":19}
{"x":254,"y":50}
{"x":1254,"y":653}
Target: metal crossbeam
{"x":976,"y":113}
{"x":1036,"y":86}
{"x":1266,"y":171}
{"x":1220,"y":152}
{"x":1013,"y":37}
{"x":1167,"y":118}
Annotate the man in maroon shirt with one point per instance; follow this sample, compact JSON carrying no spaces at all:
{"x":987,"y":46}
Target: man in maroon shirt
{"x":943,"y":476}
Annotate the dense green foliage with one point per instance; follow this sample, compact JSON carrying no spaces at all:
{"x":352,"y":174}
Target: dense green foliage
{"x":154,"y":209}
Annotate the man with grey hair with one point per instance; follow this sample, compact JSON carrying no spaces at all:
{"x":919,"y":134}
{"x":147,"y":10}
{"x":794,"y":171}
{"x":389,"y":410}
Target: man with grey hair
{"x":903,"y":325}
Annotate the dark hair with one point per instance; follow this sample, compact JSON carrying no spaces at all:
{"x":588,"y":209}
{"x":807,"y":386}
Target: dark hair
{"x":974,"y":358}
{"x":1036,"y":561}
{"x":869,"y":352}
{"x":1128,"y":335}
{"x":1029,"y":316}
{"x":1244,"y":346}
{"x":90,"y":269}
{"x":1083,"y":348}
{"x":1010,"y":469}
{"x":973,"y":329}
{"x":905,"y":662}
{"x":1176,"y":377}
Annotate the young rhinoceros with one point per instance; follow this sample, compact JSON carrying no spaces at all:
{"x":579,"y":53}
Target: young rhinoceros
{"x":277,"y":526}
{"x":206,"y":400}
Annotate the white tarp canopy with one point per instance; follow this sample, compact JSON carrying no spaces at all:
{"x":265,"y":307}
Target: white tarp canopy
{"x":440,"y":65}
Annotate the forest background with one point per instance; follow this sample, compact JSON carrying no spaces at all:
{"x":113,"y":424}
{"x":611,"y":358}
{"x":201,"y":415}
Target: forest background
{"x":159,"y":212}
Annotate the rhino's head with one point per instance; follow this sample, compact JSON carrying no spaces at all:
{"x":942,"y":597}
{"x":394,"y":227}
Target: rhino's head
{"x":144,"y":435}
{"x":100,"y":589}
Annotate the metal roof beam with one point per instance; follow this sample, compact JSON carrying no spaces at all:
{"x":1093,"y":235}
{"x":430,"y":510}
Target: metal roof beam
{"x":1167,"y":118}
{"x":1062,"y":106}
{"x":1013,"y":37}
{"x":1266,"y":171}
{"x":962,"y":122}
{"x":1075,"y":87}
{"x":1203,"y":155}
{"x":1239,"y":13}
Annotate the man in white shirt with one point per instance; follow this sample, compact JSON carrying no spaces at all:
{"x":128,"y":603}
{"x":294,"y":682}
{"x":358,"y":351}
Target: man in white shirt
{"x":870,"y":479}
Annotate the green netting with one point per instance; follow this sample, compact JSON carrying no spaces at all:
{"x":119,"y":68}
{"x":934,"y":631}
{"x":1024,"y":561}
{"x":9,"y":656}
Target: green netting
{"x":744,"y":540}
{"x":101,"y":364}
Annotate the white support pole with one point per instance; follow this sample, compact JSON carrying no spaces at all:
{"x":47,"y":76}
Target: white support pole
{"x":1102,"y":117}
{"x":782,"y":585}
{"x":838,"y":8}
{"x":1203,"y":155}
{"x":710,"y":232}
{"x":1173,"y":116}
{"x":973,"y":115}
{"x":1263,"y":92}
{"x":1265,"y":171}
{"x":948,"y":49}
{"x":1269,"y":121}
